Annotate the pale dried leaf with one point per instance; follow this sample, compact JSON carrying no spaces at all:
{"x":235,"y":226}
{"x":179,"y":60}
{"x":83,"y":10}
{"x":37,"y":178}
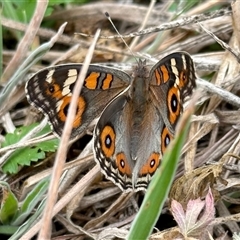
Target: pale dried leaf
{"x":205,"y":218}
{"x":178,"y":213}
{"x":209,"y":211}
{"x":195,"y":222}
{"x":194,"y":208}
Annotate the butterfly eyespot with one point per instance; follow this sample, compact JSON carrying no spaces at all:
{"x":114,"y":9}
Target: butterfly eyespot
{"x":54,"y":91}
{"x":152,"y":164}
{"x":80,"y":110}
{"x":166,"y":138}
{"x":183,"y":76}
{"x":63,"y":107}
{"x":66,"y":108}
{"x":107,"y":138}
{"x":182,"y":79}
{"x":173,"y":103}
{"x":108,"y":141}
{"x":122,"y":164}
{"x":51,"y":89}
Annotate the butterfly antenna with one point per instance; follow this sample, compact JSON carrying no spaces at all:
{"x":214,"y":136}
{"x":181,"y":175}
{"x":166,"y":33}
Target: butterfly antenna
{"x":110,"y":20}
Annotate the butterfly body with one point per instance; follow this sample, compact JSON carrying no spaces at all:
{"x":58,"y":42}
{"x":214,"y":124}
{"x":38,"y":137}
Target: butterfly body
{"x":138,"y":113}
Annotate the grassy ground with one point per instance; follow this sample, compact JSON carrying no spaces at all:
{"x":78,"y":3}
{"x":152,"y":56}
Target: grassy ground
{"x":99,"y":209}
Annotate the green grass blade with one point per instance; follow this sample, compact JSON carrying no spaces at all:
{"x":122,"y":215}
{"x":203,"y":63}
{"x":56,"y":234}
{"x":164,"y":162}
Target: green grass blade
{"x":158,"y":189}
{"x":10,"y":12}
{"x":32,"y":199}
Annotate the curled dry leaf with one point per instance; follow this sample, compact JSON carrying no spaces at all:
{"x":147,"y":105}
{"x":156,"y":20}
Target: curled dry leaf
{"x":195,"y":184}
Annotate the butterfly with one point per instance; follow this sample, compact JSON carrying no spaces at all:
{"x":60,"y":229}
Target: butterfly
{"x":138,"y":112}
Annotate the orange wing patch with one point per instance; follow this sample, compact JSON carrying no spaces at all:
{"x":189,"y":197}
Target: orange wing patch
{"x":122,"y":164}
{"x":162,"y":75}
{"x":166,"y":138}
{"x":158,"y":77}
{"x":165,"y":73}
{"x":182,"y":79}
{"x":107,"y":138}
{"x":92,"y":80}
{"x":152,"y":164}
{"x":173,"y":103}
{"x":63,"y":110}
{"x":107,"y":81}
{"x":80,"y":109}
{"x":53,"y":90}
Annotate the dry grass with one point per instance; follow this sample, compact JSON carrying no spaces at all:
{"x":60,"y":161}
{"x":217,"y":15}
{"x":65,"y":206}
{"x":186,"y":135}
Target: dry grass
{"x":209,"y":156}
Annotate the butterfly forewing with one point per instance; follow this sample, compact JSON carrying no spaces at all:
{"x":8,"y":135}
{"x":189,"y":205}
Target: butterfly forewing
{"x":171,"y":80}
{"x":50,"y":90}
{"x":177,"y":67}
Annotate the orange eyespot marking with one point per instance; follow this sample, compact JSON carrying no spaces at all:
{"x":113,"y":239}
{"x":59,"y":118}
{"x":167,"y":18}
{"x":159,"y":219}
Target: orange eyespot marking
{"x":107,"y":82}
{"x":53,"y":90}
{"x":182,"y":79}
{"x":107,"y":138}
{"x":152,"y":164}
{"x":165,"y":73}
{"x":92,"y":80}
{"x":122,"y":164}
{"x":63,"y":110}
{"x":173,"y":103}
{"x":80,"y":109}
{"x":166,"y":138}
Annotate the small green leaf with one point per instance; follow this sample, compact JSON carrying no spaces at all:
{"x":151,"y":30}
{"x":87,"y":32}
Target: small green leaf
{"x":20,"y":11}
{"x":45,"y":130}
{"x":24,"y":156}
{"x":49,"y":146}
{"x":9,"y":204}
{"x":29,"y":221}
{"x":19,"y":133}
{"x":8,"y":230}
